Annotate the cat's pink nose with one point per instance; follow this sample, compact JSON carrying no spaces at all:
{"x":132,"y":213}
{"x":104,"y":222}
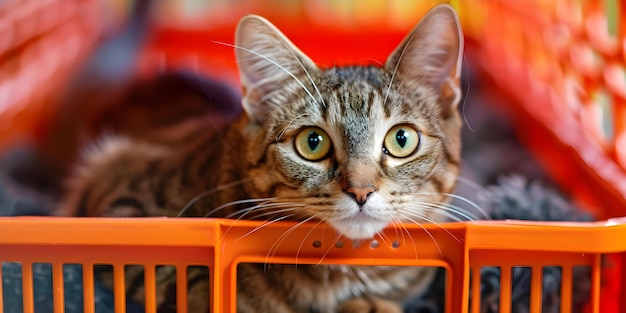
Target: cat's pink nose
{"x":360,"y":194}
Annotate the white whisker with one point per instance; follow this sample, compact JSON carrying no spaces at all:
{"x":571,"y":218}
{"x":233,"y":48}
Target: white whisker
{"x":264,"y":206}
{"x":428,"y":207}
{"x":397,"y":65}
{"x":301,"y":66}
{"x":282,"y":132}
{"x":281,"y":238}
{"x":475,"y":186}
{"x":328,"y":250}
{"x":273,"y":213}
{"x":384,"y":238}
{"x":288,"y":207}
{"x":242,"y":212}
{"x":451,"y":211}
{"x":209,"y":192}
{"x":264,"y":224}
{"x":425,"y":230}
{"x":237,"y":202}
{"x":459,"y":210}
{"x":467,"y":91}
{"x":406,"y":230}
{"x":402,"y":233}
{"x":381,"y":233}
{"x":274,"y":63}
{"x":431,"y":221}
{"x":304,"y":239}
{"x":468,"y":201}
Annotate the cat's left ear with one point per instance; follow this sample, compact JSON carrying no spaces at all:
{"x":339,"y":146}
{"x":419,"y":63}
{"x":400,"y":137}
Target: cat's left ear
{"x":267,"y":60}
{"x":432,"y":55}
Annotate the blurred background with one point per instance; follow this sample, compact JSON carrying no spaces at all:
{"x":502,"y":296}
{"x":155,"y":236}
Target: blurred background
{"x":544,"y":81}
{"x":549,"y":74}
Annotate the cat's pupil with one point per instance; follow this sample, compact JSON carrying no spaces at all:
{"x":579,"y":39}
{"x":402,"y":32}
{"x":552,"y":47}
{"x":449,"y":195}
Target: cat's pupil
{"x":401,"y":137}
{"x":314,"y":140}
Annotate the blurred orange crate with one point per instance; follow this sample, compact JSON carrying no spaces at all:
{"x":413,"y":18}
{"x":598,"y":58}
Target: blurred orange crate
{"x":562,"y":63}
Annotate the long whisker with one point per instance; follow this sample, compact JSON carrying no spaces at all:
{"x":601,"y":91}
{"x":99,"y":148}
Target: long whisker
{"x":399,"y":222}
{"x":328,"y":250}
{"x":264,"y":206}
{"x":397,"y":233}
{"x":288,"y":207}
{"x":302,"y":66}
{"x":375,"y":61}
{"x":395,"y":69}
{"x":424,"y":228}
{"x":438,"y":210}
{"x":451,"y":211}
{"x":381,"y":233}
{"x":242,"y":212}
{"x":197,"y":198}
{"x":459,"y":210}
{"x":454,"y":213}
{"x":384,"y":238}
{"x":467,"y":91}
{"x":237,"y":202}
{"x":431,"y":221}
{"x":304,"y":239}
{"x":264,"y":224}
{"x":273,"y":62}
{"x":468,"y":201}
{"x":282,"y":132}
{"x":281,"y":238}
{"x":475,"y":186}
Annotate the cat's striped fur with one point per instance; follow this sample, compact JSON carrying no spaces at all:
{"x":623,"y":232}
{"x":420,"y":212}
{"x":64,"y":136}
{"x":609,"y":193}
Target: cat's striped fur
{"x":358,"y":186}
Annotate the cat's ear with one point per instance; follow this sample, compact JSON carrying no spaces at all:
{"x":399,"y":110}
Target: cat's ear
{"x":266,"y":60}
{"x":432,"y":55}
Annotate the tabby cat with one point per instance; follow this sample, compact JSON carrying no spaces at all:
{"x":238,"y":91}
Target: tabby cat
{"x":358,"y":147}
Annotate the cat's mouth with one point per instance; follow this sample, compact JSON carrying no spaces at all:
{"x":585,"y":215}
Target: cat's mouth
{"x":360,"y":225}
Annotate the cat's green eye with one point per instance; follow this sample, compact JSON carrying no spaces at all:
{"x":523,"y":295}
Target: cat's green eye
{"x":401,"y":141}
{"x":312,"y":144}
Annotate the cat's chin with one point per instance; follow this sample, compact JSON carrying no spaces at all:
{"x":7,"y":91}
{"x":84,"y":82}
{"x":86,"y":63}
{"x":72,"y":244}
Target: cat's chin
{"x":359,"y":226}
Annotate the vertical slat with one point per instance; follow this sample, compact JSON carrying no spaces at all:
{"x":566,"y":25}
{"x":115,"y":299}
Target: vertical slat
{"x":1,"y":292}
{"x":476,"y":290}
{"x":119,"y":288}
{"x":27,"y":287}
{"x":536,"y":286}
{"x":88,"y":290}
{"x":566,"y":289}
{"x":622,"y":256}
{"x":181,"y":288}
{"x":596,"y":272}
{"x":57,"y":287}
{"x":150,"y":287}
{"x":505,"y":289}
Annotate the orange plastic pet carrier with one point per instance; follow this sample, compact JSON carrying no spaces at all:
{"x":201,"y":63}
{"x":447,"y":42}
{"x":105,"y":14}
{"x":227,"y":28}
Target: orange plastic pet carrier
{"x":560,"y":62}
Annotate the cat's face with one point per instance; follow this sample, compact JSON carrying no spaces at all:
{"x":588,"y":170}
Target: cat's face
{"x":358,"y":147}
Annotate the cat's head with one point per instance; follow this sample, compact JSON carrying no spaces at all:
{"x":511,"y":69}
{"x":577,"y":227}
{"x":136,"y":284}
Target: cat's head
{"x":359,"y":147}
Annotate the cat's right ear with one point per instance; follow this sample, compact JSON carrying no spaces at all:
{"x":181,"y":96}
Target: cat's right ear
{"x":266,"y":60}
{"x":431,"y":55}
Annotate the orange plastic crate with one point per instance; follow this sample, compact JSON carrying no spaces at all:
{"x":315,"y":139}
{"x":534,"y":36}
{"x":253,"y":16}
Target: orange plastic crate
{"x":222,"y":244}
{"x":562,"y":69}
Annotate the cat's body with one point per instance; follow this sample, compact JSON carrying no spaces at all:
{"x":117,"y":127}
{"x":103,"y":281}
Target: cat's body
{"x":358,"y":147}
